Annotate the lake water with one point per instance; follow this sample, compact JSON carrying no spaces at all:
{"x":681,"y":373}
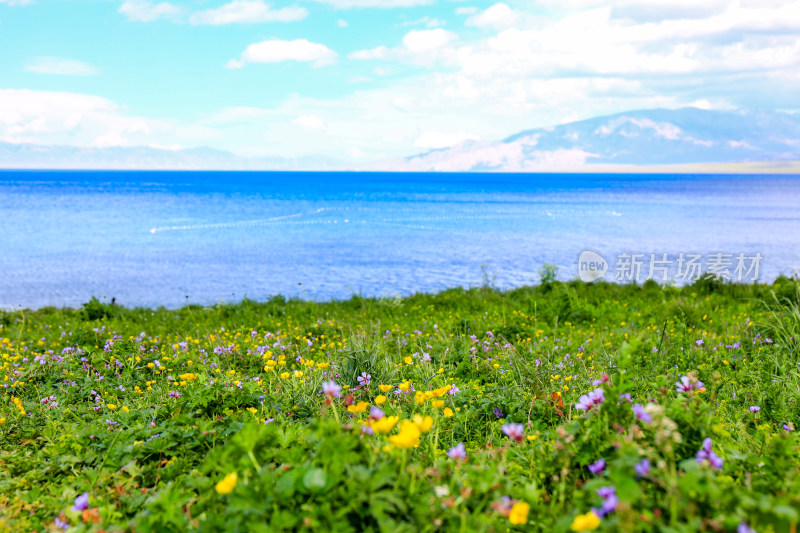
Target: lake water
{"x":165,"y":238}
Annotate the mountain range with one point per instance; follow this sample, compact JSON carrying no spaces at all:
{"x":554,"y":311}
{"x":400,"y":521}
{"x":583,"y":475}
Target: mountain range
{"x":654,"y":137}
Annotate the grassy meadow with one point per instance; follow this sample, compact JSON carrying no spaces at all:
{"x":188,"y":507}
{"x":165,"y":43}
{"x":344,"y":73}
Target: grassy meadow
{"x":562,"y":407}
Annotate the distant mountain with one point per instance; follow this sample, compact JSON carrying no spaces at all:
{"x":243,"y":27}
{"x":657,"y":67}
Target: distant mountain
{"x":647,"y":137}
{"x":19,"y":156}
{"x":654,"y":138}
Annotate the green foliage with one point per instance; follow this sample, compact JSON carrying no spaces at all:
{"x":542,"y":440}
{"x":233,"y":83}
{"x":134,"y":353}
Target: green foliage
{"x":150,"y":411}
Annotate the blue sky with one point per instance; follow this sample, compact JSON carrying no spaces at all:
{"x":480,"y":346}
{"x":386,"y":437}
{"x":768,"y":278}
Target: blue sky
{"x":368,"y":79}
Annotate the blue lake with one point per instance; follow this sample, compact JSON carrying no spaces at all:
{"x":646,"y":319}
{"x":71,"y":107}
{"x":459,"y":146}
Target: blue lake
{"x":168,"y":238}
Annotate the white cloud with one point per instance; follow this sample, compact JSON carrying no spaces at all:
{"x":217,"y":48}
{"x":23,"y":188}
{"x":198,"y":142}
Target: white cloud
{"x":16,"y":2}
{"x":349,"y":4}
{"x":496,"y":16}
{"x":311,"y":122}
{"x":60,"y":66}
{"x":247,"y":12}
{"x":469,"y":10}
{"x":144,"y":11}
{"x":277,"y":50}
{"x":437,"y":139}
{"x":425,"y":21}
{"x":342,"y":23}
{"x":422,"y":41}
{"x":380,"y":52}
{"x":71,"y":119}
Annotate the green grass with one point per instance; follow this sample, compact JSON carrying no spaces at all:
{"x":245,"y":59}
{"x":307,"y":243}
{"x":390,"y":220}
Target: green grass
{"x":148,"y":426}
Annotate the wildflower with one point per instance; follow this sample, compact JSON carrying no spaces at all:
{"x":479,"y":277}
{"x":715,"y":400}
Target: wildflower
{"x":519,"y":513}
{"x":687,"y":384}
{"x":744,"y":528}
{"x":641,"y":414}
{"x":112,"y":406}
{"x":364,"y":379}
{"x":81,"y":502}
{"x":457,"y":452}
{"x":584,"y":403}
{"x":384,"y":425}
{"x":357,"y":408}
{"x":385,"y":388}
{"x":449,"y":412}
{"x":706,"y":453}
{"x":610,"y":501}
{"x":380,"y":399}
{"x":513,"y":431}
{"x":424,"y":424}
{"x":625,"y":397}
{"x":61,"y":523}
{"x":585,"y":522}
{"x":754,"y":409}
{"x":597,"y":467}
{"x":227,"y":485}
{"x":376,"y":413}
{"x":408,"y":436}
{"x":497,"y":412}
{"x":642,"y":468}
{"x":110,"y":422}
{"x":298,"y":374}
{"x":330,"y":388}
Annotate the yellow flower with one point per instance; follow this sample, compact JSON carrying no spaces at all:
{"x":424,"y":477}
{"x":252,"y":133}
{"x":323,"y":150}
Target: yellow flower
{"x":419,"y":397}
{"x":408,"y":360}
{"x":585,"y":522}
{"x":385,"y":388}
{"x":111,"y":406}
{"x":3,"y":420}
{"x":519,"y":513}
{"x":298,"y":374}
{"x":125,"y":409}
{"x":437,"y":404}
{"x":380,"y":399}
{"x":447,"y":412}
{"x":404,"y":386}
{"x":357,"y":408}
{"x":384,"y":425}
{"x":285,"y":375}
{"x":408,"y":436}
{"x":423,"y":424}
{"x":226,"y":485}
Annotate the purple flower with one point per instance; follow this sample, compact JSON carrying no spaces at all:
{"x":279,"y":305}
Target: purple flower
{"x":110,"y":422}
{"x":513,"y":431}
{"x":364,"y":379}
{"x":641,"y":414}
{"x":597,"y":396}
{"x":497,"y":412}
{"x":269,"y":421}
{"x":705,"y":453}
{"x":597,"y":467}
{"x":376,"y":413}
{"x":642,"y":468}
{"x":584,"y":403}
{"x":330,"y":388}
{"x":610,"y":501}
{"x":61,"y":524}
{"x":457,"y":452}
{"x":754,"y":408}
{"x":684,"y":385}
{"x":81,"y":502}
{"x":625,"y":397}
{"x":175,"y":394}
{"x":587,"y":401}
{"x":744,"y":528}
